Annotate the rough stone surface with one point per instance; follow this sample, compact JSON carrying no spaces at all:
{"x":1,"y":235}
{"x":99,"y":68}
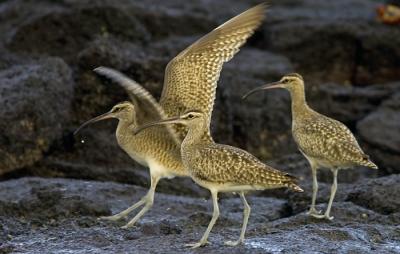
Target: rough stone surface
{"x":60,"y":215}
{"x":379,"y":195}
{"x":380,"y":131}
{"x":35,"y":98}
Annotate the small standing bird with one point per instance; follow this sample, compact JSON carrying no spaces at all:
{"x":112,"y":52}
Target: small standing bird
{"x":190,"y":82}
{"x":222,"y":168}
{"x":325,"y":142}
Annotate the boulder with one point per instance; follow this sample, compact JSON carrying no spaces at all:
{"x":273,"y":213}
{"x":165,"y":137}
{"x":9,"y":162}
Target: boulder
{"x":35,"y":99}
{"x":379,"y":195}
{"x":379,"y":130}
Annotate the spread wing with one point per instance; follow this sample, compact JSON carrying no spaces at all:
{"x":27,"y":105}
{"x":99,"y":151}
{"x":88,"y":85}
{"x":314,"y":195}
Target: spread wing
{"x":146,"y":107}
{"x":191,"y":77}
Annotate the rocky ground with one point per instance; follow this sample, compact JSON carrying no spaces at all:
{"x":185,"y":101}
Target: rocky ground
{"x":41,"y":215}
{"x":350,"y":62}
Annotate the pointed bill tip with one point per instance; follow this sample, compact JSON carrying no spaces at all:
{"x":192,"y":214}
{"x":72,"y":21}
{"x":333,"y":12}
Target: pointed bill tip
{"x":100,"y":69}
{"x":244,"y":97}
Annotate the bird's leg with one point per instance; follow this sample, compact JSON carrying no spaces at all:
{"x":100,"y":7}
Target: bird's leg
{"x":203,"y":240}
{"x":312,"y":210}
{"x":246,"y":215}
{"x":148,"y":200}
{"x":333,"y":192}
{"x":125,"y":212}
{"x":326,"y":215}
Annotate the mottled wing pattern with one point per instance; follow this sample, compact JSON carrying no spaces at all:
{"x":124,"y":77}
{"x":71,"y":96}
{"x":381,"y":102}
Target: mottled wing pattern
{"x":191,"y":77}
{"x":146,"y":107}
{"x":226,"y":164}
{"x":327,"y":139}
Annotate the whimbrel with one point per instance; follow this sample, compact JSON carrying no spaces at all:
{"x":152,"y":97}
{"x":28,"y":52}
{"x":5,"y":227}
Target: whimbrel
{"x":325,"y":142}
{"x":190,"y":81}
{"x":223,"y":168}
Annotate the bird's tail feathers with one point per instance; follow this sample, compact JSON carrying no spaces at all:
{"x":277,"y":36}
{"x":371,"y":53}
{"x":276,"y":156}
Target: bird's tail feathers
{"x":292,"y":183}
{"x":368,"y":163}
{"x":295,"y":187}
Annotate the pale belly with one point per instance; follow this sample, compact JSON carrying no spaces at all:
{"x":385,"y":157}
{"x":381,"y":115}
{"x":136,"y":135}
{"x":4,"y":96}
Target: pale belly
{"x":318,"y":163}
{"x":157,"y":169}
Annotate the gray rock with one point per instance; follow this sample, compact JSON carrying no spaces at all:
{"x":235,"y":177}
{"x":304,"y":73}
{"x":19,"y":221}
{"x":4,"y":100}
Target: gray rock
{"x":255,"y":63}
{"x":349,"y":104}
{"x":62,"y":33}
{"x":35,"y":100}
{"x":64,"y":212}
{"x":379,"y":195}
{"x":335,"y":41}
{"x":380,"y":131}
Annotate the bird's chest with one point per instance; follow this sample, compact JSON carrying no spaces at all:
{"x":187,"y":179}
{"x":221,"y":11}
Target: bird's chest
{"x":129,"y":145}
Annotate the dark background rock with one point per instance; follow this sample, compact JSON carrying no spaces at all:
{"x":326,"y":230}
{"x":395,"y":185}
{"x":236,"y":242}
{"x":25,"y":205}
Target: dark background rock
{"x":35,"y":99}
{"x":48,"y":49}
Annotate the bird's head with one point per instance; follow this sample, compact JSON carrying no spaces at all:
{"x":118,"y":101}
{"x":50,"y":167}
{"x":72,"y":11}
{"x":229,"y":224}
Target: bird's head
{"x":291,"y":82}
{"x":189,"y":118}
{"x":122,"y":111}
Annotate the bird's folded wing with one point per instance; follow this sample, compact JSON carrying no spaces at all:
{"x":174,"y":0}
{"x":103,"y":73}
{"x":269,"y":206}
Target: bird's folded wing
{"x":328,"y":138}
{"x":146,"y":107}
{"x":191,"y":77}
{"x":226,"y":164}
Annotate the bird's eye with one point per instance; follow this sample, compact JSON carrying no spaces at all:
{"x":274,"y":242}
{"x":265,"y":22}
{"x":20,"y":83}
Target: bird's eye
{"x":117,"y":110}
{"x":190,"y":116}
{"x":285,"y":81}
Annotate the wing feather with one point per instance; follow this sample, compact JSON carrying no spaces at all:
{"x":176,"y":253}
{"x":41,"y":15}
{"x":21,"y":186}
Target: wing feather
{"x":146,"y":107}
{"x":191,"y":77}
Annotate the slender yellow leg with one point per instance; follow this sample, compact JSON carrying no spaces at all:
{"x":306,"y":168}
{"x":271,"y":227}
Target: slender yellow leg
{"x":246,"y":215}
{"x":125,"y":212}
{"x":312,"y":210}
{"x":149,"y":200}
{"x":326,"y":215}
{"x":203,"y":240}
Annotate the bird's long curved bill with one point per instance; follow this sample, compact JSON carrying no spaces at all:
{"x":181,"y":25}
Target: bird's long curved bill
{"x":161,"y":122}
{"x":96,"y":119}
{"x":263,"y":87}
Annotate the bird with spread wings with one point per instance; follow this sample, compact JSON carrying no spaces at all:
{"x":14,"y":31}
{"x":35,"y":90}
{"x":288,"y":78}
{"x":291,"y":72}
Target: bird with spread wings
{"x":190,"y":83}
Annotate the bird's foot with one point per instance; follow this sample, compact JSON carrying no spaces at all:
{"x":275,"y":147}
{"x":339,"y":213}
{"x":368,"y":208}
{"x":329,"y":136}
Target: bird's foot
{"x":322,"y":216}
{"x":111,"y":218}
{"x":131,"y":224}
{"x":234,"y":243}
{"x":196,"y":245}
{"x":314,"y":211}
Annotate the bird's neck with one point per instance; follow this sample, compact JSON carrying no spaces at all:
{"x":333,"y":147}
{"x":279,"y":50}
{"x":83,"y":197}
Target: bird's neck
{"x":125,"y":126}
{"x":299,"y":103}
{"x":199,"y":133}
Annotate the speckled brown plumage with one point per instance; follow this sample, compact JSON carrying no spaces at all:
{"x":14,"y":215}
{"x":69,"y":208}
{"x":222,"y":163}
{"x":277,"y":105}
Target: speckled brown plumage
{"x":223,"y":168}
{"x":191,"y":77}
{"x":218,"y":164}
{"x":190,"y":80}
{"x":325,"y":142}
{"x":328,"y":142}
